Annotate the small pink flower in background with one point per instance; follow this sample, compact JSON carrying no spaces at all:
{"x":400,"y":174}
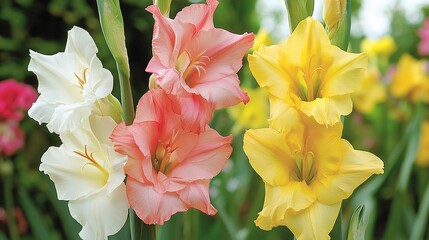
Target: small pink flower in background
{"x":169,"y":165}
{"x":191,"y":55}
{"x":15,"y":98}
{"x":11,"y":137}
{"x":423,"y":47}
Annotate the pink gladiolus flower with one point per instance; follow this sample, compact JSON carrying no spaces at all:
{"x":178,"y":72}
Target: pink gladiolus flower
{"x":423,"y":47}
{"x":11,"y":137}
{"x":169,"y":165}
{"x":191,"y":55}
{"x":14,"y":99}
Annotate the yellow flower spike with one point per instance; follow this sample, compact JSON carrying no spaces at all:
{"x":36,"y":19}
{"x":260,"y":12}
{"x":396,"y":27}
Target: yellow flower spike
{"x":410,"y":80}
{"x":370,"y":92}
{"x":423,"y":153}
{"x":309,"y":75}
{"x":252,"y":115}
{"x":307,"y":170}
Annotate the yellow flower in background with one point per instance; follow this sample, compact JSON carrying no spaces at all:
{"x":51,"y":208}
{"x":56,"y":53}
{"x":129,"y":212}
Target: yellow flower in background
{"x":383,"y":47}
{"x":370,"y":92}
{"x":423,"y":153}
{"x":307,"y":170}
{"x":410,"y":80}
{"x":308,"y":74}
{"x":262,"y":38}
{"x":252,"y":115}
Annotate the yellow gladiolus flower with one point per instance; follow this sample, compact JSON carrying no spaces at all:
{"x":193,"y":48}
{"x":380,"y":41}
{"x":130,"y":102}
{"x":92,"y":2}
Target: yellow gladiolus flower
{"x":370,"y":92}
{"x":410,"y":80}
{"x":423,"y":153}
{"x":383,"y":47}
{"x":307,"y":170}
{"x":308,"y":74}
{"x":252,"y":115}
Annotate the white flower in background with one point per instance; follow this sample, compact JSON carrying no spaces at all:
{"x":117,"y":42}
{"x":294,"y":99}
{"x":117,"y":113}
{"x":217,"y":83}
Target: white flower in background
{"x":88,"y":173}
{"x":72,"y":85}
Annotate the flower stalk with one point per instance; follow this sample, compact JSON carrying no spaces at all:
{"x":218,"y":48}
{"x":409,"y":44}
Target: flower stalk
{"x":298,"y":10}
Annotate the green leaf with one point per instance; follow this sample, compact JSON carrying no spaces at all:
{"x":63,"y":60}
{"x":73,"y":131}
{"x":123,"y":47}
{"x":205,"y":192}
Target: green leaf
{"x":357,"y":224}
{"x":37,"y":224}
{"x":421,"y":223}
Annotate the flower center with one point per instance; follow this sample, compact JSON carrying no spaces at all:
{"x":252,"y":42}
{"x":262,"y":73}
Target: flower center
{"x":162,"y":161}
{"x":304,"y":168}
{"x":92,"y":161}
{"x":308,"y":81}
{"x":82,"y":80}
{"x":189,"y":66}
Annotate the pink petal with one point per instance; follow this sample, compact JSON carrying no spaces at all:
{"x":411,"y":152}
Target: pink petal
{"x":169,"y":37}
{"x":206,"y":159}
{"x":196,"y":195}
{"x":196,"y":112}
{"x":200,"y":15}
{"x":150,"y":206}
{"x":224,"y":51}
{"x":156,"y":105}
{"x":146,"y":137}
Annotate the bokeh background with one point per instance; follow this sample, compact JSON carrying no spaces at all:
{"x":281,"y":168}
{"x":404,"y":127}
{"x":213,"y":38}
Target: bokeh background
{"x":391,"y":130}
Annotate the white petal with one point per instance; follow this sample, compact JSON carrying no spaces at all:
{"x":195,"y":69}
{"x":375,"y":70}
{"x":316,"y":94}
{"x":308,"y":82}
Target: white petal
{"x":81,"y":44}
{"x":56,"y":75}
{"x":70,"y":117}
{"x":73,"y":177}
{"x":42,"y":111}
{"x":101,"y":215}
{"x":99,"y":81}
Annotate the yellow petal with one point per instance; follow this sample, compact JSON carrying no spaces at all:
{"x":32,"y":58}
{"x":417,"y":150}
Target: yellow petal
{"x":423,"y":152}
{"x":268,"y":154}
{"x":309,"y":38}
{"x":315,"y":222}
{"x":355,"y":168}
{"x":345,"y":73}
{"x":294,"y":196}
{"x":268,"y":70}
{"x":282,"y":115}
{"x":328,"y":110}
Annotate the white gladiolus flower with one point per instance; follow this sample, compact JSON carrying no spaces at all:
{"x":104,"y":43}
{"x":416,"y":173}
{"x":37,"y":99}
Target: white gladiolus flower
{"x":72,"y":84}
{"x":89,"y":174}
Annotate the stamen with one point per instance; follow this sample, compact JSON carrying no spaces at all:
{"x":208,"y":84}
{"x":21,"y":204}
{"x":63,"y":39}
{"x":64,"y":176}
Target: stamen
{"x":80,"y":80}
{"x":91,"y":160}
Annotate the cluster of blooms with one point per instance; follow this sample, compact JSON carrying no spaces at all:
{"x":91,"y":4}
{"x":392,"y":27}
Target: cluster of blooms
{"x":76,"y":103}
{"x":307,"y":168}
{"x":15,"y":99}
{"x":169,"y":153}
{"x":173,"y":153}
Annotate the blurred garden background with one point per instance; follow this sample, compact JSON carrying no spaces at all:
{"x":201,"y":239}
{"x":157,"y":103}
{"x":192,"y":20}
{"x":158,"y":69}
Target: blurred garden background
{"x":388,"y":124}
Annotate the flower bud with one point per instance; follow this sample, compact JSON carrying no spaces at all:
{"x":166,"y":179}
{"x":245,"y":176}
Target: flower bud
{"x":336,"y":14}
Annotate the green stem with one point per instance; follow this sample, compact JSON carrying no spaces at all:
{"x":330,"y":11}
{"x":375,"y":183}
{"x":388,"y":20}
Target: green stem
{"x":8,"y":198}
{"x":140,"y":230}
{"x":126,"y":93}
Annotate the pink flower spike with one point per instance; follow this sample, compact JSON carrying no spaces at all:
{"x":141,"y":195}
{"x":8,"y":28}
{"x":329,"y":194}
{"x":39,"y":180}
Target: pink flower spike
{"x":423,"y":47}
{"x":169,"y":164}
{"x":11,"y":137}
{"x":15,"y":98}
{"x":192,"y":56}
